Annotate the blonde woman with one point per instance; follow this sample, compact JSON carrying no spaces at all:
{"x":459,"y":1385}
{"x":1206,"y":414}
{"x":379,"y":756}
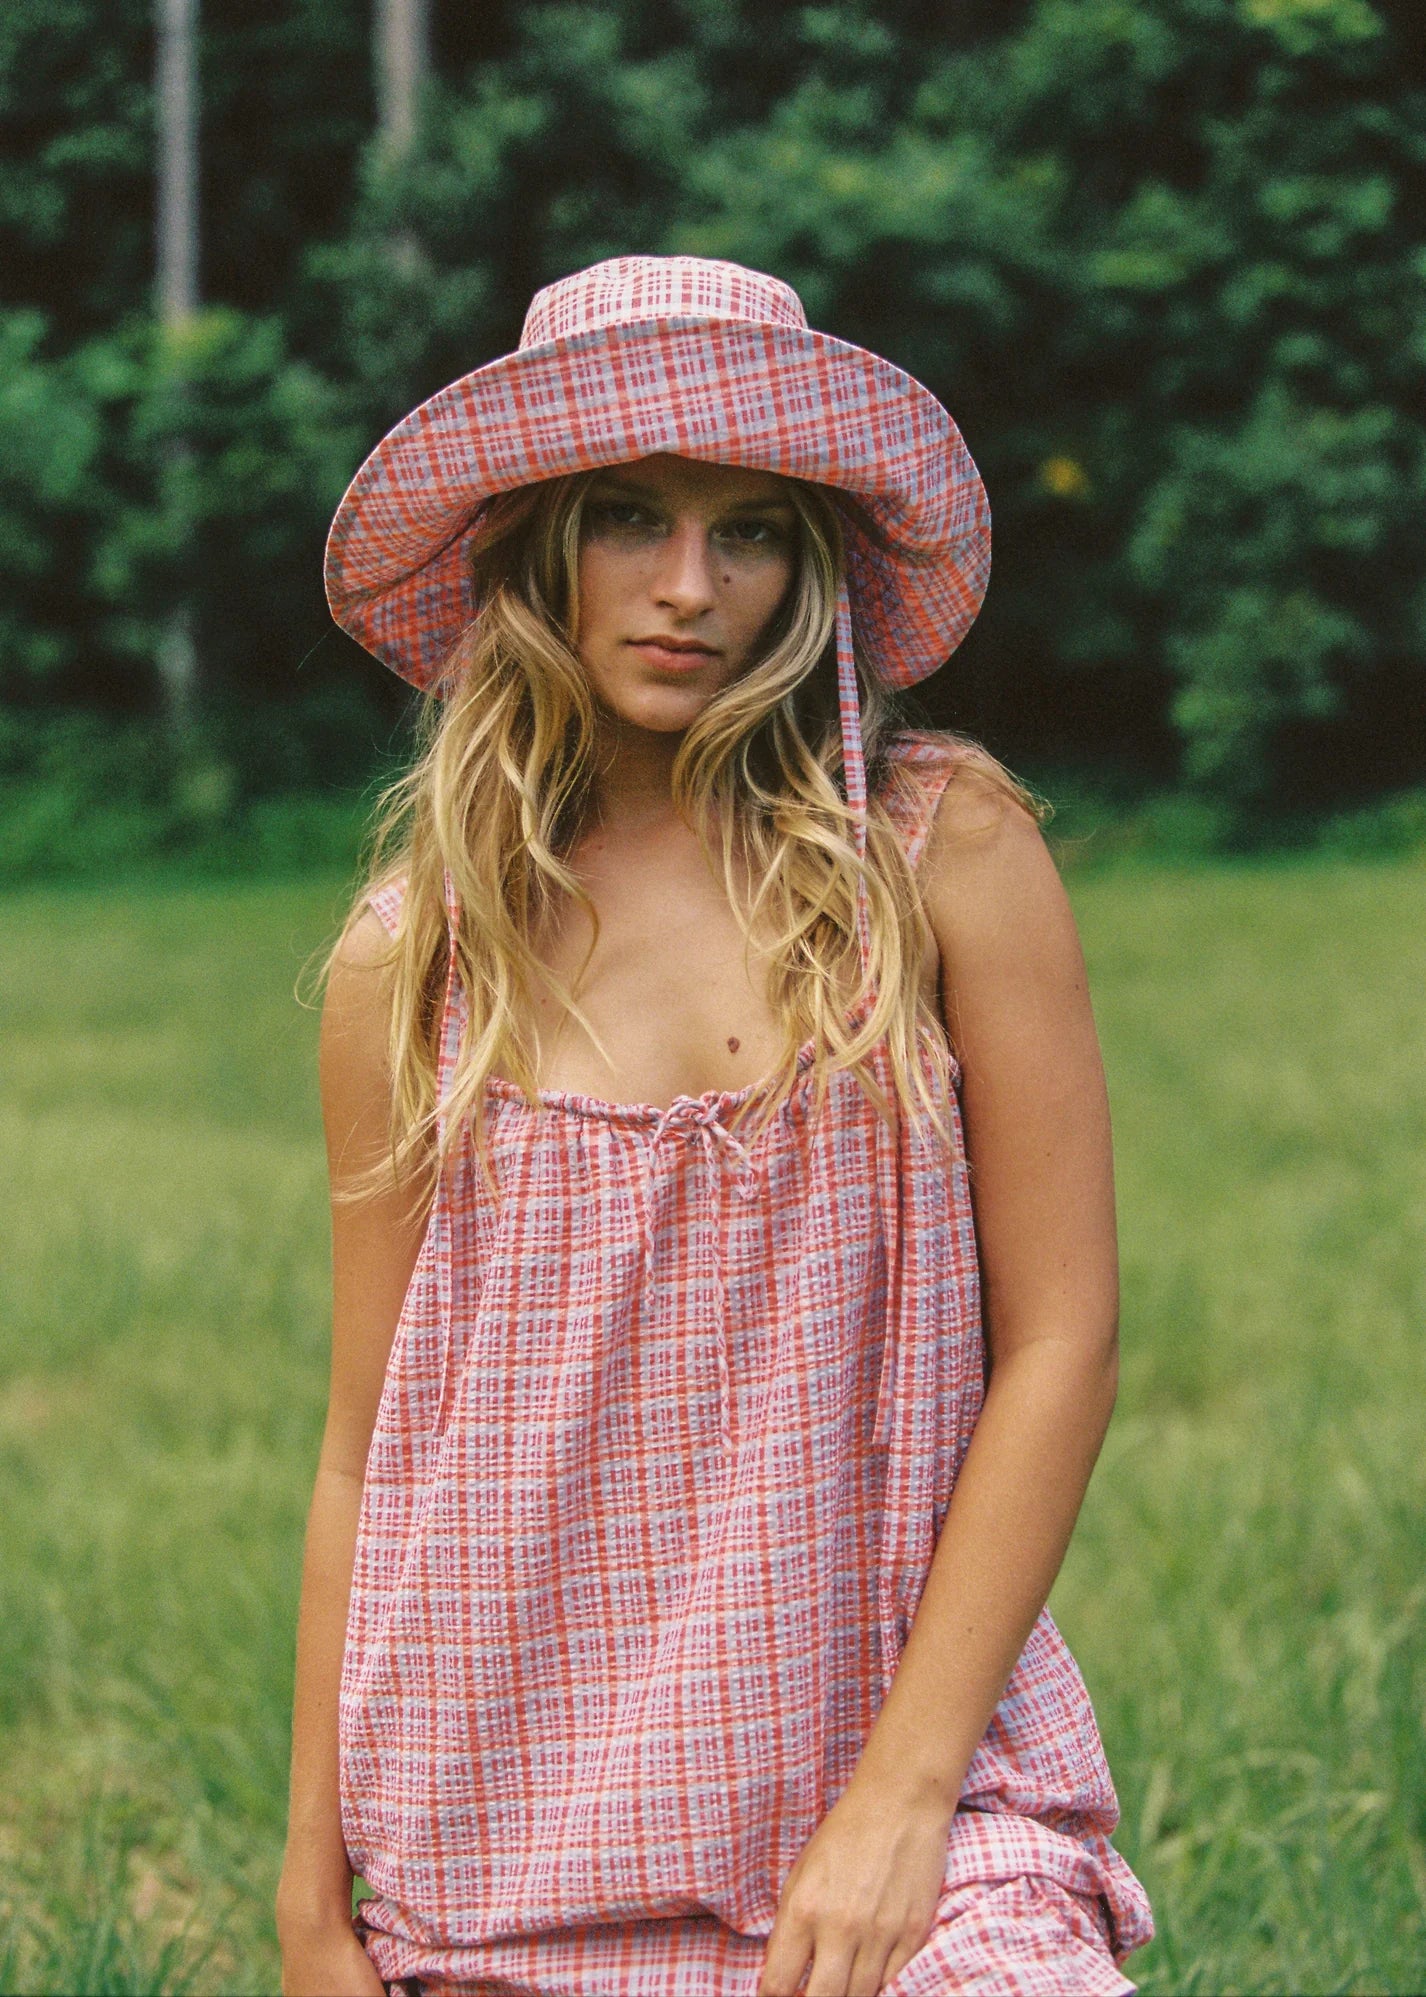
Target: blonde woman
{"x":724,"y":1266}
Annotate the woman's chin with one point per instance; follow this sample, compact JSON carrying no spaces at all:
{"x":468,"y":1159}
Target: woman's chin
{"x":658,"y":710}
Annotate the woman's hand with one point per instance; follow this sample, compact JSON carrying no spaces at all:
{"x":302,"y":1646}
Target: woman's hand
{"x":326,"y":1961}
{"x":861,"y":1898}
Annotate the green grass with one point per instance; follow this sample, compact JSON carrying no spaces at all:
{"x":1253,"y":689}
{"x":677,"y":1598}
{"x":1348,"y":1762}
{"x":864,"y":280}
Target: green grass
{"x":1245,"y":1594}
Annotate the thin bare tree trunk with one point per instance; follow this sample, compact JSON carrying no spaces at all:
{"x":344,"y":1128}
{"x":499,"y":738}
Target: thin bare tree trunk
{"x":403,"y":59}
{"x":177,"y":287}
{"x":177,"y":162}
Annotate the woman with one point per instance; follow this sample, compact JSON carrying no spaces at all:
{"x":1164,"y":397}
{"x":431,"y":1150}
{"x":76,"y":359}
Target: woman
{"x":643,"y":1645}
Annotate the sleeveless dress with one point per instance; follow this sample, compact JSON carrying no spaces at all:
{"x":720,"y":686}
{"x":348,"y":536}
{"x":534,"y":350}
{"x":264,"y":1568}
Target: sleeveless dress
{"x":668,"y":1432}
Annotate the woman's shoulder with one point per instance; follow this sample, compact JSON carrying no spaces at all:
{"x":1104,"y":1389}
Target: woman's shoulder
{"x":983,"y":853}
{"x":918,"y":765}
{"x":368,"y":932}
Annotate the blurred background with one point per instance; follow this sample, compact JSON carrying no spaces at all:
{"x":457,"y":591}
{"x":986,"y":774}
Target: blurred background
{"x":1165,"y":261}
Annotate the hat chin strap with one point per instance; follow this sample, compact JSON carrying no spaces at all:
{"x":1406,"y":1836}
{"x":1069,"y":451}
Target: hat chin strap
{"x":853,"y":762}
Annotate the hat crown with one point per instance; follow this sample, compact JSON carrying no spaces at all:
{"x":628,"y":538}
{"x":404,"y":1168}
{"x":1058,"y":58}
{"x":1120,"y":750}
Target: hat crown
{"x":626,"y":291}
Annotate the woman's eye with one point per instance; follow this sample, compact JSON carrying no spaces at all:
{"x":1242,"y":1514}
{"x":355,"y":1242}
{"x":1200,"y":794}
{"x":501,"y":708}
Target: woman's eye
{"x":753,"y":533}
{"x":618,"y":512}
{"x":632,"y":515}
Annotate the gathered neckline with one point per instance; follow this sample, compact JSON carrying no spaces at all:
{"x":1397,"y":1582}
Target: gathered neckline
{"x":575,"y":1103}
{"x":909,"y":746}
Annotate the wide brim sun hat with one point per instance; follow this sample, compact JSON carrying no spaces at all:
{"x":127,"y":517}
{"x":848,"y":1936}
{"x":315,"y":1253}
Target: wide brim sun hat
{"x":702,"y":359}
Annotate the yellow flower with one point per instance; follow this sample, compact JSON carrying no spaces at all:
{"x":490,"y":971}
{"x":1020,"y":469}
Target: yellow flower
{"x":1064,"y":477}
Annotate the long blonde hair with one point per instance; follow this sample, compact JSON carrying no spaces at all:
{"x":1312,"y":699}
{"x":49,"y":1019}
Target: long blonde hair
{"x":497,"y":797}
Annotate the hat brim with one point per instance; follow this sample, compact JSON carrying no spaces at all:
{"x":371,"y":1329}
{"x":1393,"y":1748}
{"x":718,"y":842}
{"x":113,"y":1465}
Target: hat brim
{"x":771,"y":398}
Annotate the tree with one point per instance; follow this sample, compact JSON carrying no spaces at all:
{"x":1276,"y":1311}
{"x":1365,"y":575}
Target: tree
{"x":403,"y":59}
{"x":1162,"y":259}
{"x":177,"y":288}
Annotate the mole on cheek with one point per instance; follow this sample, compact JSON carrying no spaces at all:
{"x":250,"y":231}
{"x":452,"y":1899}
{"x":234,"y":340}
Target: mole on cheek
{"x":733,"y":1044}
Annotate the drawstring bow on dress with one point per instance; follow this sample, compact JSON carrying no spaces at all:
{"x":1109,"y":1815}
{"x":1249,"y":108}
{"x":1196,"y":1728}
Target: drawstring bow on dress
{"x":696,"y":1119}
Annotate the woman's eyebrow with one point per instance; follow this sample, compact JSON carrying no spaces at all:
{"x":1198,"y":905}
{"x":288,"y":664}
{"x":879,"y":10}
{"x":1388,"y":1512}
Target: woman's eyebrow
{"x":625,"y":484}
{"x":607,"y":481}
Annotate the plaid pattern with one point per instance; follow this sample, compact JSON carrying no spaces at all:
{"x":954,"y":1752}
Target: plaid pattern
{"x":708,"y":360}
{"x":667,"y":1436}
{"x":681,"y":354}
{"x":1022,"y":1937}
{"x":635,"y":288}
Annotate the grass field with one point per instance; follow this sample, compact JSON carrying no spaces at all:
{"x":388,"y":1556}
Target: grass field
{"x":1246,"y":1593}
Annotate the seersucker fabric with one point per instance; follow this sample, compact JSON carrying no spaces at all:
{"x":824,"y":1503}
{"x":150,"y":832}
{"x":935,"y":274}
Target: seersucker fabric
{"x":668,"y":1432}
{"x":708,"y":360}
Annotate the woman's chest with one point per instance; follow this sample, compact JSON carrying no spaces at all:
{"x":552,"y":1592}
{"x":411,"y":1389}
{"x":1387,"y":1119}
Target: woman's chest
{"x":674,"y":997}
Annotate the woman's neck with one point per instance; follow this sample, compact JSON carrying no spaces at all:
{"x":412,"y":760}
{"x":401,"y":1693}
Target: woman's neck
{"x":633,"y":785}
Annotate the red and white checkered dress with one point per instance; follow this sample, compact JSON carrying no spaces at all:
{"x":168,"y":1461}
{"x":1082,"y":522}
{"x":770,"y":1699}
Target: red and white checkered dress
{"x":668,"y":1433}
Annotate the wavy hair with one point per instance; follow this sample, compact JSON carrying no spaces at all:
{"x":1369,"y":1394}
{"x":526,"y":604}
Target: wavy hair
{"x":498,"y":794}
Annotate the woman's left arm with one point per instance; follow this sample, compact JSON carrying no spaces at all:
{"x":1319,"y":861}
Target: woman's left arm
{"x":862,"y":1897}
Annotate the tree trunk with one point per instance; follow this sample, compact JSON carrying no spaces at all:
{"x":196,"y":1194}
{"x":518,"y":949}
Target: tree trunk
{"x":403,"y":58}
{"x":177,"y":287}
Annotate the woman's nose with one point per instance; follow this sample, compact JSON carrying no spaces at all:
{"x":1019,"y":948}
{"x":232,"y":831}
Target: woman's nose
{"x":685,"y":581}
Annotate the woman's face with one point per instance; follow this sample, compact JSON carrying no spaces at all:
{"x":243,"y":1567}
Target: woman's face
{"x":682,"y":569}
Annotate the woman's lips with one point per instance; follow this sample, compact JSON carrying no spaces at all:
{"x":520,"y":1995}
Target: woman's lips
{"x":672,"y":659}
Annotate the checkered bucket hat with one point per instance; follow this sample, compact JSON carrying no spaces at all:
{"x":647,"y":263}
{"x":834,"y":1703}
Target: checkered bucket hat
{"x":702,"y":359}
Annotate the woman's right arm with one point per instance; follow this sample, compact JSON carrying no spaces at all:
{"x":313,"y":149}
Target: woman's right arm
{"x":375,"y":1243}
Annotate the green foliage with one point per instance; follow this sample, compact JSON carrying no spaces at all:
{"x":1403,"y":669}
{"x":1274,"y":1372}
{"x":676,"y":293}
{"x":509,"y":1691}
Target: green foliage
{"x":49,"y":440}
{"x":76,"y":195}
{"x":235,"y":454}
{"x":286,"y":104}
{"x":83,"y":798}
{"x":1162,"y":258}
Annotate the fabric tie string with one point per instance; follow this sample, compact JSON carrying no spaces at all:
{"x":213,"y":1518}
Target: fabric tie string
{"x":447,"y":1051}
{"x":697,"y":1120}
{"x":699,"y":1117}
{"x":853,"y":761}
{"x":448,"y":1045}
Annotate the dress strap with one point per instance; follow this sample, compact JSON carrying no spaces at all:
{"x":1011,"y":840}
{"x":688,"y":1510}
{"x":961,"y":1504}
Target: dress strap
{"x":922,"y":764}
{"x":386,"y":901}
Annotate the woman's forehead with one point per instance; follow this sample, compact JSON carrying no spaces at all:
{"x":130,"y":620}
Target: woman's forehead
{"x":669,"y":476}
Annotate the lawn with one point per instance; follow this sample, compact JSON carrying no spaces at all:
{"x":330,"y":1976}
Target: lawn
{"x":1246,"y":1592}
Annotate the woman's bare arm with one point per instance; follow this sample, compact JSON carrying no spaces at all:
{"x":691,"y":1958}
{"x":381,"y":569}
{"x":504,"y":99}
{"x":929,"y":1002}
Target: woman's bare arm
{"x":1017,"y":1009}
{"x":862,"y":1895}
{"x":375,"y":1243}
